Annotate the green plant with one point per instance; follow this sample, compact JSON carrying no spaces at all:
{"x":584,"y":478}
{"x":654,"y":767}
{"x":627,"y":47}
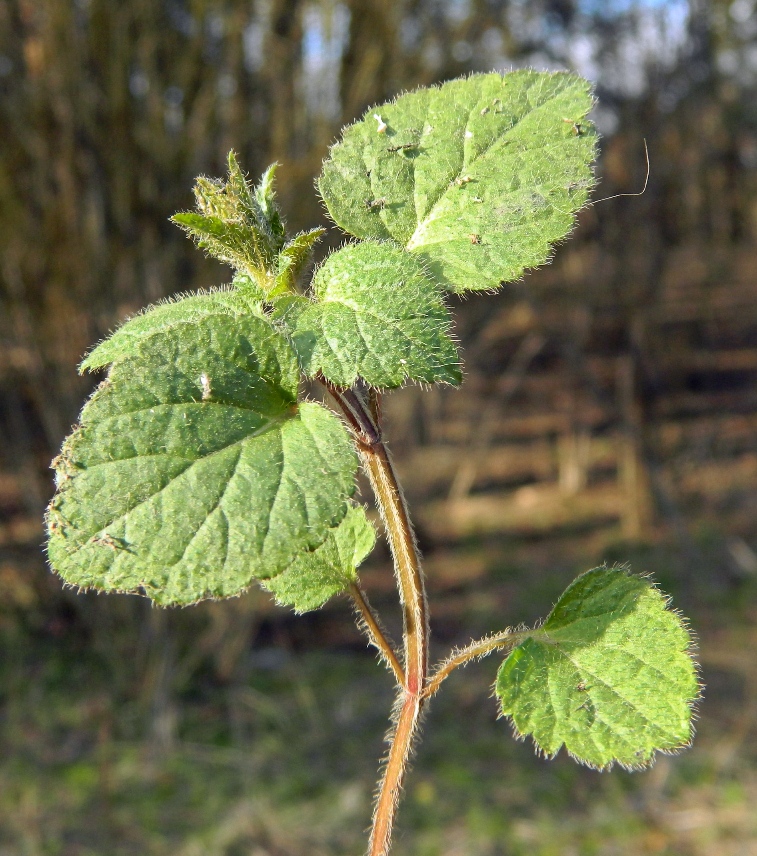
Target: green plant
{"x":198,"y":466}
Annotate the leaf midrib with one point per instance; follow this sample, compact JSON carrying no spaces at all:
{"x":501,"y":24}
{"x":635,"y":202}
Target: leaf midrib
{"x":466,"y":168}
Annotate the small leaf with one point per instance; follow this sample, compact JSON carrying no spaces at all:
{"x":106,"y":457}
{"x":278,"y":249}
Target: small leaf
{"x":123,"y":342}
{"x":294,"y":258}
{"x":250,"y":291}
{"x":236,"y":224}
{"x":376,"y":315}
{"x":608,"y":675}
{"x":194,"y":471}
{"x":314,"y":577}
{"x":265,"y":196}
{"x":479,"y":177}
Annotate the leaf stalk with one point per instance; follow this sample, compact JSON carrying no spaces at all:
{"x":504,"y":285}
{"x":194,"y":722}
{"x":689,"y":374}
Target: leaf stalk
{"x":372,"y":625}
{"x":474,"y":651}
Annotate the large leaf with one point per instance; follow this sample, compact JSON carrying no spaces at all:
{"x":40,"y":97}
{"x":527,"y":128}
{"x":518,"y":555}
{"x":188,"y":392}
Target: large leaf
{"x":608,"y":675}
{"x":123,"y":342}
{"x":376,"y":315}
{"x":194,"y":470}
{"x":479,"y":177}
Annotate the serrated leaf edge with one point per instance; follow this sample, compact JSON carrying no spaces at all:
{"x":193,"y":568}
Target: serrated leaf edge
{"x":692,"y":704}
{"x":592,"y":166}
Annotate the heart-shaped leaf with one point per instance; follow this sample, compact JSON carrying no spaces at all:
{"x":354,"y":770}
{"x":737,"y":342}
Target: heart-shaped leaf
{"x":479,"y":177}
{"x":608,"y":675}
{"x":195,"y":470}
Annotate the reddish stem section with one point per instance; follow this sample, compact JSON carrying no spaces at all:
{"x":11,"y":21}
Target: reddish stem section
{"x":407,"y":566}
{"x":394,"y":774}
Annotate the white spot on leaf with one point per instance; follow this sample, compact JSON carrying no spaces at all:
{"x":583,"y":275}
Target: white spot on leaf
{"x":205,"y":383}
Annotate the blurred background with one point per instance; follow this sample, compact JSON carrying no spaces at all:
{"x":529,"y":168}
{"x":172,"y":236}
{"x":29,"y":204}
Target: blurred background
{"x":609,"y":413}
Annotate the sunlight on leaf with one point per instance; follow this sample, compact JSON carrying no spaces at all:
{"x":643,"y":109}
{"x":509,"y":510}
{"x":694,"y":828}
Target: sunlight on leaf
{"x":609,"y":674}
{"x":478,"y":177}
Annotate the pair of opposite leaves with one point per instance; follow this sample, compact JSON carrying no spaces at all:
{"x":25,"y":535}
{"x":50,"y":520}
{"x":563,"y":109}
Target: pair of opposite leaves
{"x":195,"y":468}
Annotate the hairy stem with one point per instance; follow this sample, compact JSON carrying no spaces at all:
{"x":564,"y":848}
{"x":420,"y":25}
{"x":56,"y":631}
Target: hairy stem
{"x":473,"y":651}
{"x":412,"y":593}
{"x":407,"y":566}
{"x":376,"y":633}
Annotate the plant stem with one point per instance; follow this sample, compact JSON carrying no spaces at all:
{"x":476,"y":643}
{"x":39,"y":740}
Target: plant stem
{"x":413,"y":597}
{"x":376,"y":633}
{"x":407,"y":567}
{"x":474,"y":651}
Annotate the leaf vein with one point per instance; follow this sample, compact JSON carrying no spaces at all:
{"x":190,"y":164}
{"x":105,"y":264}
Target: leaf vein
{"x":444,"y":191}
{"x":210,"y":511}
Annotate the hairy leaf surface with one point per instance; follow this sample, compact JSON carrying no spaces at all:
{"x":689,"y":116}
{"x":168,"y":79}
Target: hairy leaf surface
{"x":314,"y":577}
{"x":479,"y":177}
{"x":376,"y":315}
{"x":194,"y":470}
{"x":265,"y":196}
{"x":123,"y":342}
{"x":294,"y":258}
{"x":237,"y":224}
{"x":608,"y":675}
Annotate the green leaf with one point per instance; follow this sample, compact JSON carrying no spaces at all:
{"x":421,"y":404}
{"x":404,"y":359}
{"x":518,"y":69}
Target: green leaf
{"x":265,"y":196}
{"x":314,"y":577}
{"x":479,"y":177}
{"x":184,"y":310}
{"x":236,"y":224}
{"x":194,"y":470}
{"x":376,"y":315}
{"x":249,"y":289}
{"x":237,"y":244}
{"x":608,"y":675}
{"x":294,"y":258}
